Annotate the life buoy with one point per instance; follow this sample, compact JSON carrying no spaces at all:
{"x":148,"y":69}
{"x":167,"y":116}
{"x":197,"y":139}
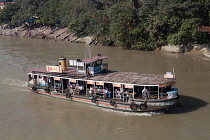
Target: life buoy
{"x":94,"y":99}
{"x":143,"y":107}
{"x":112,"y":102}
{"x":134,"y":106}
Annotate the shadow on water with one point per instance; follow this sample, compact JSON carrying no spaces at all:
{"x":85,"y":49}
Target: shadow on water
{"x":188,"y":104}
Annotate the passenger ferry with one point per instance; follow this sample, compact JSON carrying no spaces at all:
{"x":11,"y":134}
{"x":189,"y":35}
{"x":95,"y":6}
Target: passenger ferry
{"x":89,"y":81}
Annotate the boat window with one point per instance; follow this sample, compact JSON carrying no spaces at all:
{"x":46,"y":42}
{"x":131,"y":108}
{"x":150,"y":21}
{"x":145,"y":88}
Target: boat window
{"x":90,"y":65}
{"x":98,"y":63}
{"x":81,"y":88}
{"x":109,"y":88}
{"x":129,"y":93}
{"x":165,"y":89}
{"x":35,"y":76}
{"x":29,"y":77}
{"x":153,"y":90}
{"x":58,"y":85}
{"x":51,"y":82}
{"x":65,"y":83}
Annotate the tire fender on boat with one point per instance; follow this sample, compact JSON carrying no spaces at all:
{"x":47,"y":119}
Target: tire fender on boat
{"x":34,"y":88}
{"x":94,"y":99}
{"x":133,"y":106}
{"x":143,"y":107}
{"x":112,"y":102}
{"x":178,"y":105}
{"x":68,"y":95}
{"x":47,"y":90}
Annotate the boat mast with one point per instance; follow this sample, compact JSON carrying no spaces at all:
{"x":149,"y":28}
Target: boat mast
{"x":37,"y":63}
{"x":174,"y":74}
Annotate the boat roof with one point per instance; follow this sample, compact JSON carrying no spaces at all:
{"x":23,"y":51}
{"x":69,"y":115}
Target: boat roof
{"x":132,"y":78}
{"x":93,"y":59}
{"x":110,"y":76}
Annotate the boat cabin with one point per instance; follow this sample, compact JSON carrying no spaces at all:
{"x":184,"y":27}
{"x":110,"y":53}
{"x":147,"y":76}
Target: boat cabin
{"x":91,"y":65}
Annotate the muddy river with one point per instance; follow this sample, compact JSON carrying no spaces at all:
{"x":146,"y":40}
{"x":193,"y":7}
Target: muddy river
{"x":28,"y":116}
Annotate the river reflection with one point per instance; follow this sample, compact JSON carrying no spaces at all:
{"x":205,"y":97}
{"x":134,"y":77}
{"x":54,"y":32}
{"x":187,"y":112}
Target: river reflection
{"x":25,"y":115}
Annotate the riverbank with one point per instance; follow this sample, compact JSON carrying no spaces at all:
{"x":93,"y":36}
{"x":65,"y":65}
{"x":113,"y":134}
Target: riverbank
{"x":45,"y":32}
{"x":203,"y":49}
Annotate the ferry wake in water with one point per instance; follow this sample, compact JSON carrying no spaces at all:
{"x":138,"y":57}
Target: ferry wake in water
{"x":13,"y":82}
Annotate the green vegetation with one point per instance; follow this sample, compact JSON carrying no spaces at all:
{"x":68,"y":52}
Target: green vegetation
{"x":141,"y":24}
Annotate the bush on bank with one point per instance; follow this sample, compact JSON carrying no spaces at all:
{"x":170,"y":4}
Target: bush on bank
{"x":139,"y":24}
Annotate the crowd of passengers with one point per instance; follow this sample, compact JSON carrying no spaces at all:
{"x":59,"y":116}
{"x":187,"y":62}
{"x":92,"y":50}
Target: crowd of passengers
{"x":106,"y":92}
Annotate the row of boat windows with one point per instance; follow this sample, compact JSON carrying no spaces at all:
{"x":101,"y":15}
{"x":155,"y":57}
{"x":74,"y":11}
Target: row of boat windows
{"x":82,"y":88}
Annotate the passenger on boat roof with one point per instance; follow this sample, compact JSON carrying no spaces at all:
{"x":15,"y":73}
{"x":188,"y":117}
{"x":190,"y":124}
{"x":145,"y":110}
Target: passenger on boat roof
{"x":144,"y":93}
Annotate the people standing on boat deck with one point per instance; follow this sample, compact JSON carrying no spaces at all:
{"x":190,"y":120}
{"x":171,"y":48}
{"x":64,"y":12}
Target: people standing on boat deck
{"x":119,"y":94}
{"x":109,"y":93}
{"x":77,"y":89}
{"x":105,"y":93}
{"x":49,"y":82}
{"x":81,"y":89}
{"x":91,"y":91}
{"x":144,"y":93}
{"x":127,"y":96}
{"x":116,"y":93}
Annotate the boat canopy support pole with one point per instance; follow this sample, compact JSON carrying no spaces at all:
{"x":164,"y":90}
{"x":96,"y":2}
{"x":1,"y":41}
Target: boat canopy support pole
{"x":133,"y":92}
{"x":113,"y":90}
{"x":123,"y":94}
{"x":86,"y":88}
{"x":94,"y":88}
{"x":158,"y":92}
{"x":62,"y":84}
{"x":54,"y":83}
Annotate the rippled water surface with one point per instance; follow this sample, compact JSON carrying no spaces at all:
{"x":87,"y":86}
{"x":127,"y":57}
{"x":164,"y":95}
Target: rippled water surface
{"x":28,"y":116}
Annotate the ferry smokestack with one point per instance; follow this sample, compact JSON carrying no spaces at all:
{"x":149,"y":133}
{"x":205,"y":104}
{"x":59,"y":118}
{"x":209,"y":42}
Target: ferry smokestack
{"x":62,"y":63}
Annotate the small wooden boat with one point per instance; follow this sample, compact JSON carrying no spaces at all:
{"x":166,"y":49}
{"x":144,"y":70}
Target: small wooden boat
{"x":89,"y":81}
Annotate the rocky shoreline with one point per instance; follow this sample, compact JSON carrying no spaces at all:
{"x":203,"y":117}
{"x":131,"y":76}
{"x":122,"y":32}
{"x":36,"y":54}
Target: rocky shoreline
{"x":45,"y":32}
{"x":204,"y":49}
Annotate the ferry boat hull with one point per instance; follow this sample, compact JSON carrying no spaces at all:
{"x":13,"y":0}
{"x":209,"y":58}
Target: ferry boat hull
{"x":151,"y":105}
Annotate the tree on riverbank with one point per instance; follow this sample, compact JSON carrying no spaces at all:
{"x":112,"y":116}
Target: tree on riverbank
{"x":141,"y":24}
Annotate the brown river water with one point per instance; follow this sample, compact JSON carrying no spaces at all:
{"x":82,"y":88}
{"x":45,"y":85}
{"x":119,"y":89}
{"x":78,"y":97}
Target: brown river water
{"x":28,"y":116}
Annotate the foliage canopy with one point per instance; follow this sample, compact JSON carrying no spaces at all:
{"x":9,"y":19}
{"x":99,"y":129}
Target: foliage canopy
{"x":128,"y":23}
